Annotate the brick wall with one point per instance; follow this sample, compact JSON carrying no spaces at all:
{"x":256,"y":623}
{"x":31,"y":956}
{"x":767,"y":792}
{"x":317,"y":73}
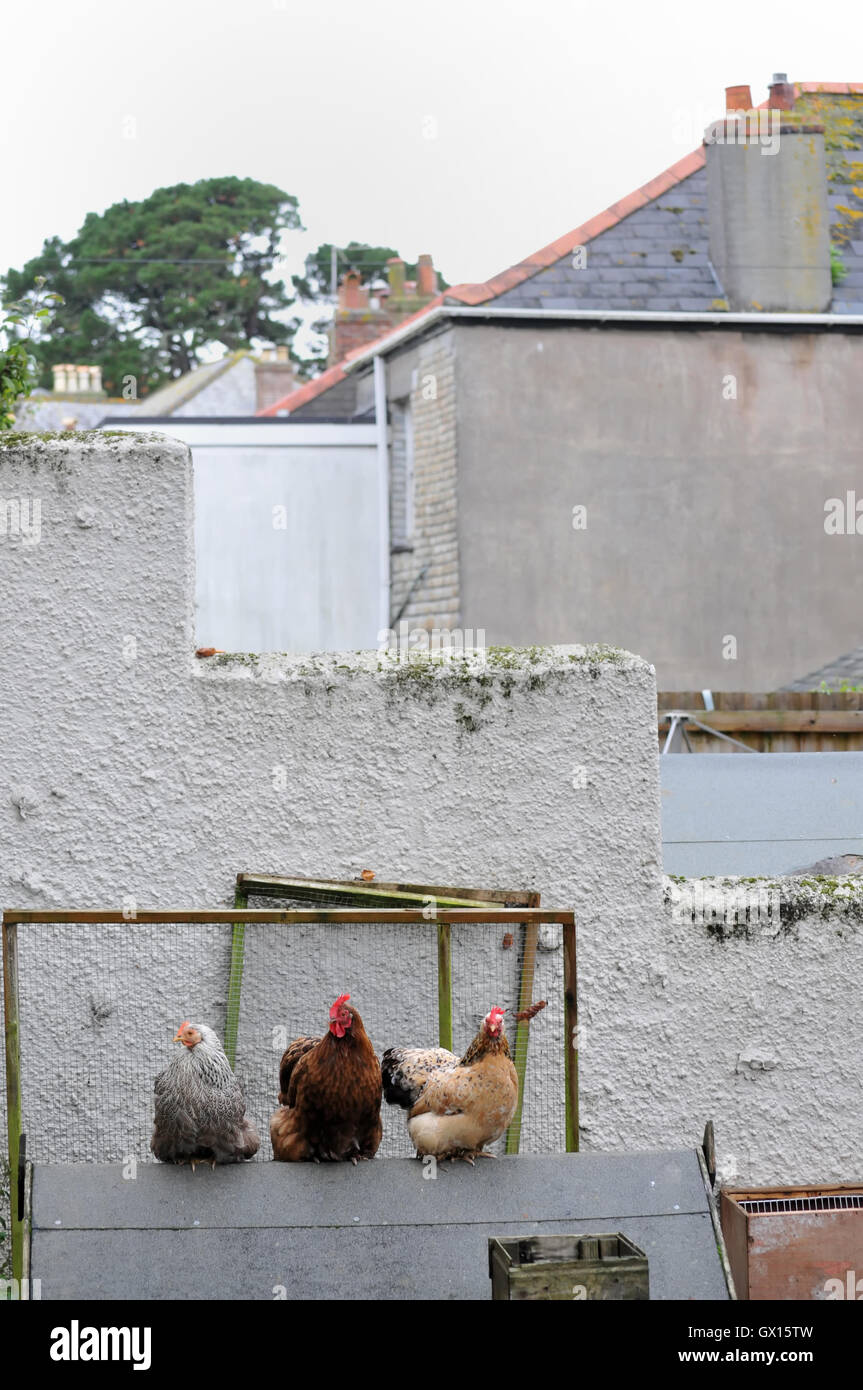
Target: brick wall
{"x":435,"y":603}
{"x":401,"y":461}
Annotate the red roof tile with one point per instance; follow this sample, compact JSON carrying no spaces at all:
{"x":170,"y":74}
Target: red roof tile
{"x":838,"y":89}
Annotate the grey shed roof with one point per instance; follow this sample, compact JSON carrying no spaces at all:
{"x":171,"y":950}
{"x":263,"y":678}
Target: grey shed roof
{"x":376,"y":1231}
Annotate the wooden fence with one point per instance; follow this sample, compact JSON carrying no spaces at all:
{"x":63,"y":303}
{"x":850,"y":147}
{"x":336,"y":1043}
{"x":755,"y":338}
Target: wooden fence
{"x":783,"y":721}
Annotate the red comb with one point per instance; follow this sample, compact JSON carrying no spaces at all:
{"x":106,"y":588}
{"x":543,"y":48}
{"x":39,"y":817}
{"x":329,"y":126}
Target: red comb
{"x":342,"y":999}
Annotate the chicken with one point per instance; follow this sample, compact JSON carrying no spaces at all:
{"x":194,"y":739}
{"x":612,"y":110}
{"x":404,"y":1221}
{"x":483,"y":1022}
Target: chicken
{"x":200,"y":1108}
{"x":329,"y":1094}
{"x":455,"y":1107}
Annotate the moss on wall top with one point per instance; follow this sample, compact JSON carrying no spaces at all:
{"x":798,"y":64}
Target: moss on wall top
{"x":470,"y":680}
{"x":417,"y":670}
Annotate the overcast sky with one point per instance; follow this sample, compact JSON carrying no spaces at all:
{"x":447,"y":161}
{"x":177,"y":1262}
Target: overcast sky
{"x":473,"y":130}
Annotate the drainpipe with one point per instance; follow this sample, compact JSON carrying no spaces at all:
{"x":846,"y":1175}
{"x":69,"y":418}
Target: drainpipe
{"x":380,"y":379}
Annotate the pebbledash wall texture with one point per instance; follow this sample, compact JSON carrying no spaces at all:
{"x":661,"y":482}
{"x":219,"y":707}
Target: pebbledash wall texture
{"x":134,"y":774}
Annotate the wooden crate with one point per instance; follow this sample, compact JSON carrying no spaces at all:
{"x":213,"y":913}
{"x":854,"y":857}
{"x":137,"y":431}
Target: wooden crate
{"x":802,"y":1243}
{"x":603,"y":1268}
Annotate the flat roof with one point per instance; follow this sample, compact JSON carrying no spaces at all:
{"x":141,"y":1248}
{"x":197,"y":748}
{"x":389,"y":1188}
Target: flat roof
{"x":627,"y":318}
{"x":377,"y":1231}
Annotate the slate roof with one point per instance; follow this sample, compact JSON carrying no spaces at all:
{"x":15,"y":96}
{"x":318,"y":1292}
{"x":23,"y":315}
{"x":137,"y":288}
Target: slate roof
{"x":847,"y":670}
{"x":649,"y":251}
{"x":654,"y":258}
{"x":176,"y":393}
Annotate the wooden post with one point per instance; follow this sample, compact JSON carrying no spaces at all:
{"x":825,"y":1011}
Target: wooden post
{"x":13,"y":1090}
{"x":444,"y":985}
{"x":235,"y":979}
{"x":522,"y":1032}
{"x":570,"y":1013}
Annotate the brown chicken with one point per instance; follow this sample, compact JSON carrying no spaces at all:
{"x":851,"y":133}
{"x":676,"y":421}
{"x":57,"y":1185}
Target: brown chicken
{"x":329,"y":1094}
{"x":455,"y":1107}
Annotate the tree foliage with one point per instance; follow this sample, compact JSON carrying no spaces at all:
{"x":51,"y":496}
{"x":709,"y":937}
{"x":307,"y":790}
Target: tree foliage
{"x":149,"y":286}
{"x":17,"y":358}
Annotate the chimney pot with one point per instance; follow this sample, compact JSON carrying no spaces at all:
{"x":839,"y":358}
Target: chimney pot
{"x":781,"y":91}
{"x":396,"y":276}
{"x":738,"y":98}
{"x":426,"y":278}
{"x":352,"y":295}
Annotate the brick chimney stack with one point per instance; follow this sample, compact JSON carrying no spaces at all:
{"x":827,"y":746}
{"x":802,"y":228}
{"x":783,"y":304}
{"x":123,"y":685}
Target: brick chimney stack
{"x":274,"y":376}
{"x":361,"y":316}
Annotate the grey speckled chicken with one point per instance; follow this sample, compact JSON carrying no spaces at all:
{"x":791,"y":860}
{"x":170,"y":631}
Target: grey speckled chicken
{"x":200,"y":1107}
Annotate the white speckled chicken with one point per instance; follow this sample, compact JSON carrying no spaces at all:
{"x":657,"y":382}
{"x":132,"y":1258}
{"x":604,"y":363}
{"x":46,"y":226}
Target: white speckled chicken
{"x":200,"y":1107}
{"x":455,"y":1107}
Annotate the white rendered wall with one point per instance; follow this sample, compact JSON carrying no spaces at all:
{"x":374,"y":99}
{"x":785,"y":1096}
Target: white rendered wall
{"x":131,"y":771}
{"x":286,"y":536}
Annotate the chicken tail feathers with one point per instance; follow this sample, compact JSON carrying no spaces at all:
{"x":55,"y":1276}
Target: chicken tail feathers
{"x":249,"y":1140}
{"x":292,"y":1054}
